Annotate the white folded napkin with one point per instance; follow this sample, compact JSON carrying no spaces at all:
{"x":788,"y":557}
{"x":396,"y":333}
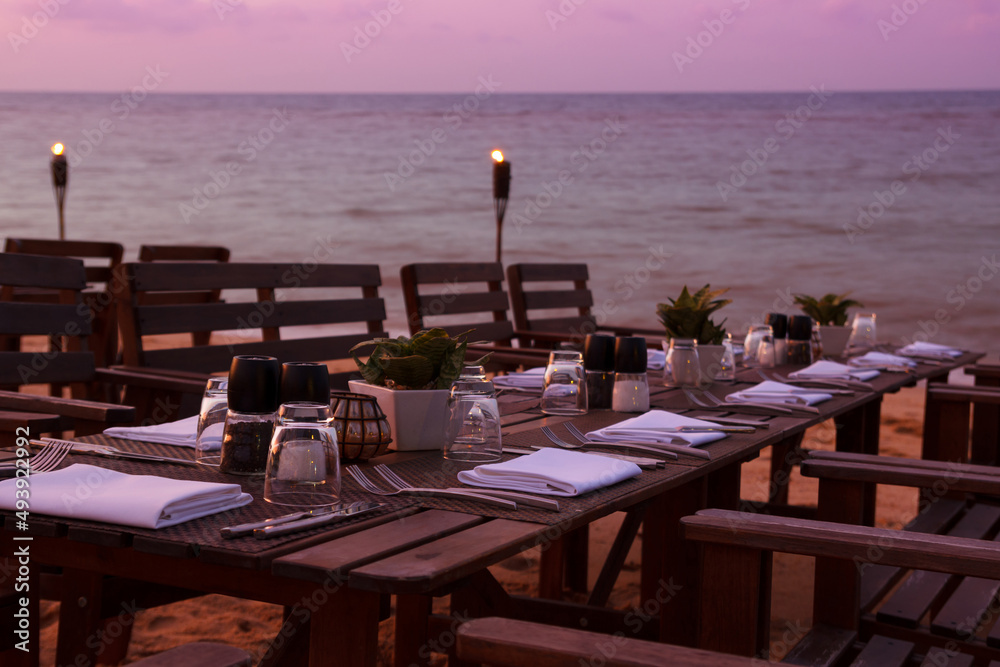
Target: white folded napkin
{"x":826,"y":369}
{"x":551,"y":471}
{"x":183,"y":432}
{"x":929,"y":349}
{"x":644,"y":427}
{"x":656,"y":360}
{"x":533,"y":378}
{"x":778,"y":392}
{"x":145,"y":501}
{"x":874,"y":358}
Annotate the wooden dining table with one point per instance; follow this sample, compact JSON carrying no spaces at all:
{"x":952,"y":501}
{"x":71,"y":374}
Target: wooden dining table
{"x":334,"y":582}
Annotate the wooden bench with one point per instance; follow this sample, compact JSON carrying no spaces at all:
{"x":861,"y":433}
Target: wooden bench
{"x":261,"y":325}
{"x":67,"y":325}
{"x":736,"y":552}
{"x":509,"y":643}
{"x":451,"y":296}
{"x":184,"y":253}
{"x":560,"y":303}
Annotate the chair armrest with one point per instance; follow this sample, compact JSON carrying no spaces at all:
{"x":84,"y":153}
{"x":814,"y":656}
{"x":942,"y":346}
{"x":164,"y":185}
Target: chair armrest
{"x":919,"y":473}
{"x":963,"y":394}
{"x":545,"y":336}
{"x":510,"y":643}
{"x":153,"y":378}
{"x":921,"y":551}
{"x":67,"y":407}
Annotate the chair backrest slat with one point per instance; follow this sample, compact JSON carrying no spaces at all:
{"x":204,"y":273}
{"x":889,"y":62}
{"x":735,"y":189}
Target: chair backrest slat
{"x":43,"y":319}
{"x":446,"y":292}
{"x":104,"y":250}
{"x":183,"y":253}
{"x":576,"y":296}
{"x":17,"y":368}
{"x":256,"y":326}
{"x":43,"y":272}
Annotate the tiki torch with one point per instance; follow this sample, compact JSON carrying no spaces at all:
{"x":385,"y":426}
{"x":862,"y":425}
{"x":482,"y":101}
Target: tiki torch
{"x":60,"y":177}
{"x":501,"y":190}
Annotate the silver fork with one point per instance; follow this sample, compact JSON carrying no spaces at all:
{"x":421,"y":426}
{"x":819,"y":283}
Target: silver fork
{"x":459,"y":494}
{"x":799,"y":405}
{"x":834,"y":381}
{"x":775,"y":377}
{"x":46,"y":459}
{"x":679,"y":449}
{"x":735,"y":407}
{"x":389,"y":475}
{"x":641,"y":446}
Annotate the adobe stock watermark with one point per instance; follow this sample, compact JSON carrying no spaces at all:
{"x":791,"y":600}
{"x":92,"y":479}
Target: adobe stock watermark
{"x":914,"y":168}
{"x":381,"y":18}
{"x":121,"y":108}
{"x":697,"y":44}
{"x":453,"y":120}
{"x":784,"y":129}
{"x":31,"y":25}
{"x":958,"y":297}
{"x":580,"y":160}
{"x":566,"y":9}
{"x":220,"y":179}
{"x":224,"y":7}
{"x":899,"y":17}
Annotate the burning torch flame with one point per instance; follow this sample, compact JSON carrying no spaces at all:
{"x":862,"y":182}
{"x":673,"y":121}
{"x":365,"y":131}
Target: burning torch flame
{"x":57,"y":149}
{"x":498,"y":156}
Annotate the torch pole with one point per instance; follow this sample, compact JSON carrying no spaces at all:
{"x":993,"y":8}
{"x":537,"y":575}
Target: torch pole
{"x":60,"y":179}
{"x":501,"y":191}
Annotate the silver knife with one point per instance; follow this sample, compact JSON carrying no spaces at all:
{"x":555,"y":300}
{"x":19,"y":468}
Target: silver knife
{"x":295,"y":526}
{"x":647,"y":463}
{"x":246,"y":528}
{"x":112,"y":452}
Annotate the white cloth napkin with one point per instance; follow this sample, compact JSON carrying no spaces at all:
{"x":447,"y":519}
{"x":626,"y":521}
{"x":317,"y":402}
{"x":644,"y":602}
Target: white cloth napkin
{"x":656,"y":360}
{"x":530,"y":379}
{"x":929,"y":349}
{"x":551,"y":471}
{"x":183,"y":432}
{"x":874,"y":358}
{"x":825,"y":369}
{"x":644,"y":427}
{"x":778,"y":392}
{"x":145,"y":501}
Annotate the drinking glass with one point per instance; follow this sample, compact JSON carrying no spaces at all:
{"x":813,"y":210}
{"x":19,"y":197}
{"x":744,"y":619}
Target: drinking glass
{"x":212,"y":422}
{"x":565,"y":388}
{"x":473,"y":419}
{"x":303,"y":461}
{"x":767,"y":353}
{"x":862,"y":333}
{"x":682,"y":367}
{"x":751,"y":344}
{"x":727,"y":364}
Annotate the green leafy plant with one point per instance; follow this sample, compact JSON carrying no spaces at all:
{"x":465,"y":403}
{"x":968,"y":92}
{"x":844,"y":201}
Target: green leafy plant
{"x":689,"y":315}
{"x":831,"y":310}
{"x":430,"y":359}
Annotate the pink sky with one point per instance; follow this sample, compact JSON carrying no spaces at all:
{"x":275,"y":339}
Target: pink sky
{"x":526,"y":45}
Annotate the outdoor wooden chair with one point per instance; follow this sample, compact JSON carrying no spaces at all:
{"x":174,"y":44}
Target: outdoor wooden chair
{"x":543,"y":303}
{"x":185,"y":253}
{"x":452,"y":296}
{"x":258,"y":326}
{"x":927,"y":590}
{"x":99,"y":295}
{"x":506,"y":642}
{"x":64,"y":360}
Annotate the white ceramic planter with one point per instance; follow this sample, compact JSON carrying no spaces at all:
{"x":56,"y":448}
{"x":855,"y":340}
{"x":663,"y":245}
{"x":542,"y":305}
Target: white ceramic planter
{"x":834,"y":340}
{"x":418,"y":418}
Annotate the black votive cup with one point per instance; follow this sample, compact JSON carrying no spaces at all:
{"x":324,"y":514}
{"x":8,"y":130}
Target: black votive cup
{"x":304,"y":382}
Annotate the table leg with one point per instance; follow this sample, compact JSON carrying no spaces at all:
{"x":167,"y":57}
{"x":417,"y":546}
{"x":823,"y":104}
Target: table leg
{"x":344,"y":629}
{"x":79,"y":617}
{"x":412,"y":613}
{"x":858,"y":432}
{"x":985,"y":428}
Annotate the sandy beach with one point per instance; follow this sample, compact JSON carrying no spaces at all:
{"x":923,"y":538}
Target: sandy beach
{"x":252,"y":625}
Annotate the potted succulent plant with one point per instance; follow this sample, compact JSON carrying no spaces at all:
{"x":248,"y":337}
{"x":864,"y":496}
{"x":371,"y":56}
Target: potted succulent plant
{"x":410,"y":377}
{"x":830,"y":312}
{"x":689,"y":316}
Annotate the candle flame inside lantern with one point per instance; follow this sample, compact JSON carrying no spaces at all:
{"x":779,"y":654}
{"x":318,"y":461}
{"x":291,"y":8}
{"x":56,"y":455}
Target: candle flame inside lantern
{"x":498,"y":156}
{"x":57,"y":149}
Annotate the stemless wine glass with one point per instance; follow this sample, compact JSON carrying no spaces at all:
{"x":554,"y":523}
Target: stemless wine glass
{"x":862,"y":333}
{"x":727,"y":364}
{"x":212,"y":422}
{"x":474,"y":419}
{"x":565,"y":389}
{"x":767,"y":352}
{"x":303,"y":462}
{"x":682,"y":367}
{"x":751,"y":344}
